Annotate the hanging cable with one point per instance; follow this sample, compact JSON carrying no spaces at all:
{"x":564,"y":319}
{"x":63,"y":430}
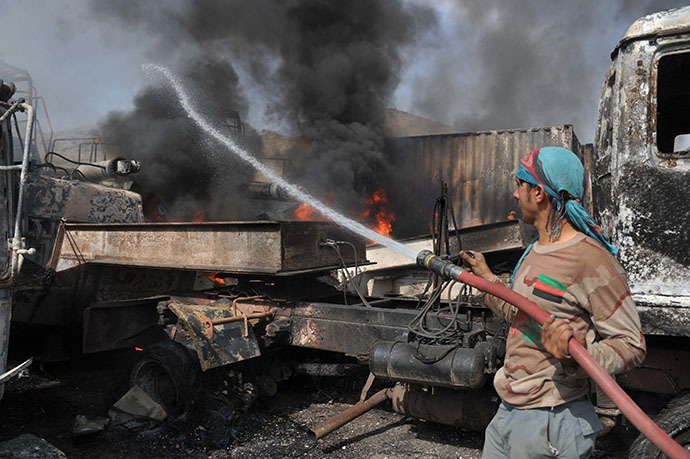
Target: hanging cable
{"x":348,"y":279}
{"x":449,"y":333}
{"x":19,"y":133}
{"x":78,"y":163}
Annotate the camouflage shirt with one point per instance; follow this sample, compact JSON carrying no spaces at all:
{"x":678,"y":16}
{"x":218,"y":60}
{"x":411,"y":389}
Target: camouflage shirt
{"x":577,"y":280}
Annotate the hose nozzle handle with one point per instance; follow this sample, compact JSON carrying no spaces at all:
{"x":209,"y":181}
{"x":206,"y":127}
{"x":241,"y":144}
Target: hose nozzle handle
{"x":443,"y":267}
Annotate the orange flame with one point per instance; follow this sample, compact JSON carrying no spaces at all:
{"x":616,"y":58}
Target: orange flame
{"x":217,"y":280}
{"x":376,"y":215}
{"x":511,"y":215}
{"x":139,"y":349}
{"x":158,"y":216}
{"x":306,"y":212}
{"x":198,"y":216}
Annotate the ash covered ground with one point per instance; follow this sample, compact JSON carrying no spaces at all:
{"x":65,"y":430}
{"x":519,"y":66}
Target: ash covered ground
{"x":47,"y":403}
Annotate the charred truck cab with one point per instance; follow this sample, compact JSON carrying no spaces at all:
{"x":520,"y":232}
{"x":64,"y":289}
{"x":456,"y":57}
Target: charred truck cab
{"x":232,"y":297}
{"x":641,"y":167}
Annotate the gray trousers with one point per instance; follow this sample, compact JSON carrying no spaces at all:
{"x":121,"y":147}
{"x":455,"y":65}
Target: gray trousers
{"x":564,"y":431}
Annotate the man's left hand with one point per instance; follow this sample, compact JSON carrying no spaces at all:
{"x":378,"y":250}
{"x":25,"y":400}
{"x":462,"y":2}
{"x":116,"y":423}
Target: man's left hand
{"x":555,"y":335}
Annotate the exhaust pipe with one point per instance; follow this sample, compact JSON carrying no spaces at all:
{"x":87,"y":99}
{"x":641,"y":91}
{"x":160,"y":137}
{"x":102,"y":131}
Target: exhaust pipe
{"x":112,"y":168}
{"x":266,"y":190}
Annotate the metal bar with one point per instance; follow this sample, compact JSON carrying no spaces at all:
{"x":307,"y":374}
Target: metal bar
{"x":236,"y":300}
{"x":13,"y":108}
{"x":351,"y":413}
{"x":16,"y":370}
{"x":11,"y":168}
{"x":16,"y":238}
{"x":50,"y":125}
{"x":69,"y":139}
{"x":245,"y":318}
{"x":348,"y":329}
{"x":227,"y":320}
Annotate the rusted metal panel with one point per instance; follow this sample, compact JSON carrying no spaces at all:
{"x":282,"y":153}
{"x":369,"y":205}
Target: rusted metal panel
{"x":230,"y":342}
{"x":478,"y":167}
{"x":351,"y":331}
{"x":60,"y":299}
{"x":348,"y":329}
{"x":233,"y":247}
{"x":75,"y":201}
{"x":117,"y":324}
{"x":656,"y":25}
{"x":46,"y":300}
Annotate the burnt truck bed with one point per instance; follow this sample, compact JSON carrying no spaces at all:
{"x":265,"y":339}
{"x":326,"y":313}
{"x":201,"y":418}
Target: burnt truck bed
{"x":106,"y":263}
{"x":265,"y":247}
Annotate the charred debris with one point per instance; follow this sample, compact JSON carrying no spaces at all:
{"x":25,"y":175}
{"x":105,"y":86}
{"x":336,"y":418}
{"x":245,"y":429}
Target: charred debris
{"x":152,"y":238}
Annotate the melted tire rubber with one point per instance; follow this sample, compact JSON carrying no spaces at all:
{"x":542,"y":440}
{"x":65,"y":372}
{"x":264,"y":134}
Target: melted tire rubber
{"x":674,"y":420}
{"x":169,"y":374}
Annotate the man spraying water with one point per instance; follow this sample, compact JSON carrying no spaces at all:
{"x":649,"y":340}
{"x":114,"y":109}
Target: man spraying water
{"x":561,"y":223}
{"x":570,"y":272}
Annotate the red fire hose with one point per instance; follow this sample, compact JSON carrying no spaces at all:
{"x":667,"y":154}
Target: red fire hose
{"x":629,"y":408}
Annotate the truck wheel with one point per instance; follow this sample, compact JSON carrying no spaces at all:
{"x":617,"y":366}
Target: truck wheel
{"x":675,"y":421}
{"x":168,"y":373}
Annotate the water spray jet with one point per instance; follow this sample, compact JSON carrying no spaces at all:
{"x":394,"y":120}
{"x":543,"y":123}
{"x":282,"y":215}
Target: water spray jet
{"x":289,"y":188}
{"x":443,"y":268}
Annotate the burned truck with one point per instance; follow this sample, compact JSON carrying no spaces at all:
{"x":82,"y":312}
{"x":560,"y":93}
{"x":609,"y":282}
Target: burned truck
{"x":231,"y":297}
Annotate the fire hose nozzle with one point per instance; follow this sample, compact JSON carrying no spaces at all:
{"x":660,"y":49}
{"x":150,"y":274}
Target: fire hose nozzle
{"x":442,"y":266}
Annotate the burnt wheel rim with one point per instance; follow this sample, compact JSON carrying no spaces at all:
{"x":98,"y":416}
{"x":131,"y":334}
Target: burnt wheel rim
{"x":154,"y":379}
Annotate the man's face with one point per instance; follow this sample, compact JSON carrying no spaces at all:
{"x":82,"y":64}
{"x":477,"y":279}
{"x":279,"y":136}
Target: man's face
{"x":526,"y":202}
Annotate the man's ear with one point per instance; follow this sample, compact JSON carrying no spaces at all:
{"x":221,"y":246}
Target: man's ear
{"x":540,"y":193}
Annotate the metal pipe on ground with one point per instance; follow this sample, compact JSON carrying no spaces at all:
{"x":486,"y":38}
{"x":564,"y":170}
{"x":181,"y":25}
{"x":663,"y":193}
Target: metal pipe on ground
{"x":351,"y":413}
{"x":632,"y":412}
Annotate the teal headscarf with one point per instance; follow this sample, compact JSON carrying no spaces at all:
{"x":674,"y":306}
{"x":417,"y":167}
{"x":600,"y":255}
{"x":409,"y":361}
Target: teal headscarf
{"x":562,"y":175}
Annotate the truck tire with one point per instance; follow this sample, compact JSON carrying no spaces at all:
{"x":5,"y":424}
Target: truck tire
{"x":675,"y":421}
{"x":168,"y":373}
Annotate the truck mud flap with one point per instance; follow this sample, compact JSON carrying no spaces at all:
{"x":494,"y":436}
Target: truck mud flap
{"x":223,"y":344}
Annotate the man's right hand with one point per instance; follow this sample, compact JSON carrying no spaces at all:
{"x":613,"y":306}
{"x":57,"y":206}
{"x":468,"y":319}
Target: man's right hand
{"x":477,"y":265}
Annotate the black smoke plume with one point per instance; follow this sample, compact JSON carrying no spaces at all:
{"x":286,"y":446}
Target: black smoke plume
{"x":327,"y":69}
{"x":524,"y":63}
